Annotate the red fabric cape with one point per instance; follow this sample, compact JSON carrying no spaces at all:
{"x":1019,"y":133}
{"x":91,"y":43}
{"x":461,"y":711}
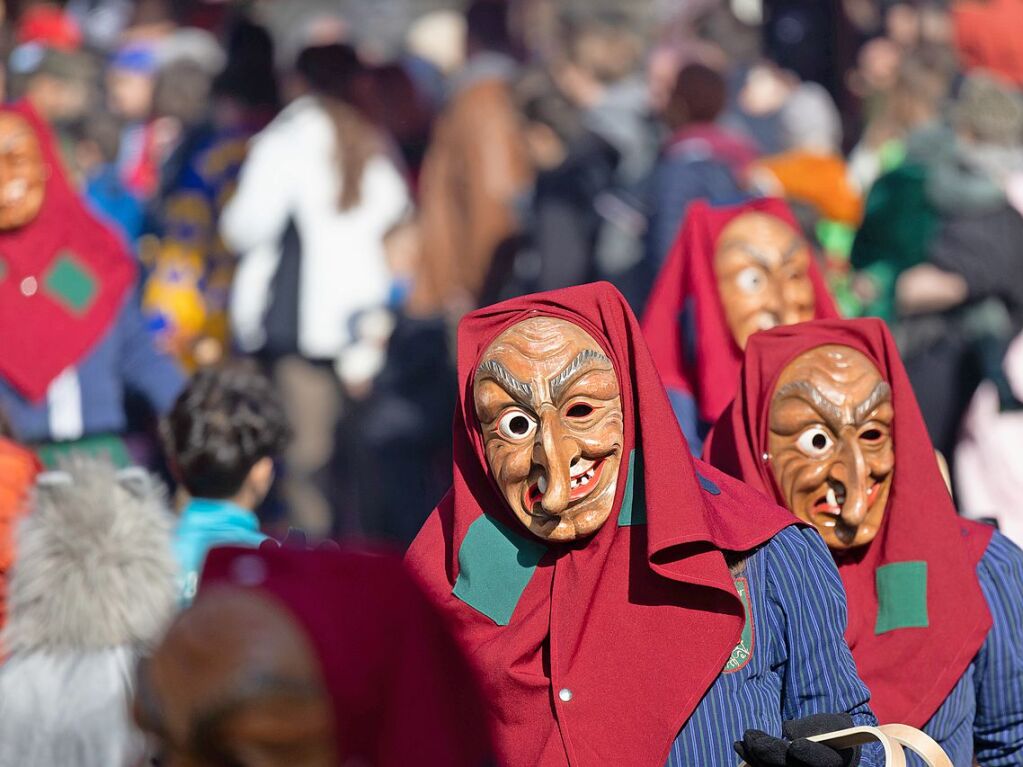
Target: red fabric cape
{"x":402,"y":692}
{"x":42,"y":336}
{"x":638,"y":620}
{"x":687,"y":284}
{"x":909,"y":671}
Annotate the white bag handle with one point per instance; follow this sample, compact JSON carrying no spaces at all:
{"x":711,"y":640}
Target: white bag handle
{"x":893,"y":739}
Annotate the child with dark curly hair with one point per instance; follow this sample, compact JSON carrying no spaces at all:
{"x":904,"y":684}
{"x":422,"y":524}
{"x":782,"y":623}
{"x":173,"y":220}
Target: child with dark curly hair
{"x":222,"y":436}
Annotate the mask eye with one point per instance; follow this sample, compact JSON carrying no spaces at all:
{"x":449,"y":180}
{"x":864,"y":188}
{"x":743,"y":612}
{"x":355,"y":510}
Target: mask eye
{"x":579,"y":410}
{"x":815,"y":442}
{"x":516,"y":425}
{"x":751,"y":280}
{"x":872,"y":435}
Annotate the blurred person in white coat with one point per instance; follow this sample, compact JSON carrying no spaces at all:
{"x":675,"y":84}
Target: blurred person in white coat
{"x":316,"y":196}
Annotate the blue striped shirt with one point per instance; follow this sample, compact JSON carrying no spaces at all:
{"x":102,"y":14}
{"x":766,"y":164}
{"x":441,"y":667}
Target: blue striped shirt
{"x":796,"y":663}
{"x":983,"y":716}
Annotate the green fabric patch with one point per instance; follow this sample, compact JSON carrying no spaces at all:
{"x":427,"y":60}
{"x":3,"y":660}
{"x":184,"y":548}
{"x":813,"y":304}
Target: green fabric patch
{"x":102,"y":447}
{"x":70,"y":283}
{"x":3,"y":269}
{"x":495,"y":564}
{"x":901,"y":596}
{"x":744,"y":650}
{"x":633,"y":511}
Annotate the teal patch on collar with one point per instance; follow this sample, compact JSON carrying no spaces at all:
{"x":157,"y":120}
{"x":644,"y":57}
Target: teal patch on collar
{"x":901,"y":596}
{"x":495,"y":564}
{"x":633,"y":511}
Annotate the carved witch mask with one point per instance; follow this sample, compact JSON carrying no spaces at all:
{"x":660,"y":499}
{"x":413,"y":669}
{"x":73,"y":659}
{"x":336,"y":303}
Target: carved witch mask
{"x":762,"y":269}
{"x":549,"y":404}
{"x":830,"y":443}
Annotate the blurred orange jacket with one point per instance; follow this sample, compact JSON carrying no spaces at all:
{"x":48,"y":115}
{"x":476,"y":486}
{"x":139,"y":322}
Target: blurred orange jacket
{"x":18,"y":469}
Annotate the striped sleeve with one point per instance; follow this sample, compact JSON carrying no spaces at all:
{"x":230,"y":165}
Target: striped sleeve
{"x":808,"y":598}
{"x":998,"y":727}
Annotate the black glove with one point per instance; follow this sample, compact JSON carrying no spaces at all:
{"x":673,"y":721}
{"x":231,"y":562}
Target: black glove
{"x":793,"y":750}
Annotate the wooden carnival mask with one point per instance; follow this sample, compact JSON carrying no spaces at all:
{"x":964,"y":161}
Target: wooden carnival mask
{"x":762,"y":269}
{"x":830,"y":443}
{"x":22,"y":172}
{"x":549,"y":404}
{"x":236,"y":681}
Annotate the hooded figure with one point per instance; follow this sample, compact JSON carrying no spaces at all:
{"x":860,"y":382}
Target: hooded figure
{"x":732,"y":271}
{"x":73,"y":339}
{"x":622,"y":602}
{"x":826,"y":422}
{"x":94,"y":582}
{"x":328,"y":658}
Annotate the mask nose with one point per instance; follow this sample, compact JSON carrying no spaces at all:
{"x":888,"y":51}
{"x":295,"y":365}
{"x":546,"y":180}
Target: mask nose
{"x":555,"y":453}
{"x":850,"y":468}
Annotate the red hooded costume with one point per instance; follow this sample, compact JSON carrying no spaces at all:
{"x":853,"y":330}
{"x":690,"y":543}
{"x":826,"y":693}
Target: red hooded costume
{"x":63,"y":279}
{"x":684,"y":322}
{"x":910,"y":671}
{"x":401,"y":691}
{"x":598,"y":651}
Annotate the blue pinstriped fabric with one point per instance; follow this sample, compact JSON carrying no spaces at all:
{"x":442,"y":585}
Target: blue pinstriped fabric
{"x":984,"y":714}
{"x":800,"y":664}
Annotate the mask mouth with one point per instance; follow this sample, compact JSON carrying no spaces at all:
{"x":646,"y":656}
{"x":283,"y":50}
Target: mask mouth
{"x":583,"y":479}
{"x":833,"y":501}
{"x":766,"y":320}
{"x":14,"y":191}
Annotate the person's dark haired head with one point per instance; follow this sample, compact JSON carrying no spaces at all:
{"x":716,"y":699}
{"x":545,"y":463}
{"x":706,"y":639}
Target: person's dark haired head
{"x":699,"y":95}
{"x":249,"y":75}
{"x":487,"y":26}
{"x":329,"y":70}
{"x":225,"y":422}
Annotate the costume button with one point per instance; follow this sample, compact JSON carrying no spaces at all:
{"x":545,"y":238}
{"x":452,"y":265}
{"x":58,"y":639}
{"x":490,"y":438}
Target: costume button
{"x":29,"y":286}
{"x":565,"y":694}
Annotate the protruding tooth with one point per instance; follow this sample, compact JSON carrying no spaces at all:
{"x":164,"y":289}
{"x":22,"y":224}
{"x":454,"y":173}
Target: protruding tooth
{"x":832,"y":499}
{"x":541,"y":484}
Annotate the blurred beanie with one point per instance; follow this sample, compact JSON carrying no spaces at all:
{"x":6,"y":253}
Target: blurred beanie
{"x":50,"y":27}
{"x":989,"y":109}
{"x":810,"y":120}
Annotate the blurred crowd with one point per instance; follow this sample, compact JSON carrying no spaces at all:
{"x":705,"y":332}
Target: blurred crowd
{"x":310,"y":214}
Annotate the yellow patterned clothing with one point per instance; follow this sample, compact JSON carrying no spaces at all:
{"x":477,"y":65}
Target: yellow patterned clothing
{"x":186,"y":295}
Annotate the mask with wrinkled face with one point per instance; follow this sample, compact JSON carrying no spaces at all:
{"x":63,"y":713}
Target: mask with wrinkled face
{"x":762,"y":269}
{"x":22,"y":172}
{"x":549,"y":405}
{"x":830,"y":443}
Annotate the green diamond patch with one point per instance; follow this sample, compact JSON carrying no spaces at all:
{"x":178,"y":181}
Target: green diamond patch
{"x":71,"y":283}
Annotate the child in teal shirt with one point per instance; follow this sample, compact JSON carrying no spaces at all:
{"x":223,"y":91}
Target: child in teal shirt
{"x":222,"y":437}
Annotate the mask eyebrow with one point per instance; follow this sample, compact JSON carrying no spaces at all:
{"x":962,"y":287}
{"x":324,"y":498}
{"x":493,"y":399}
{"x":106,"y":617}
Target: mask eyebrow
{"x":807,"y":391}
{"x":881,"y":393}
{"x":497,"y":372}
{"x":562,"y":379}
{"x":750,"y":250}
{"x":794,"y":247}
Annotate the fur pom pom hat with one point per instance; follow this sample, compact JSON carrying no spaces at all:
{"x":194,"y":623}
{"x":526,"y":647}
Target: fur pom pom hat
{"x":95,"y":568}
